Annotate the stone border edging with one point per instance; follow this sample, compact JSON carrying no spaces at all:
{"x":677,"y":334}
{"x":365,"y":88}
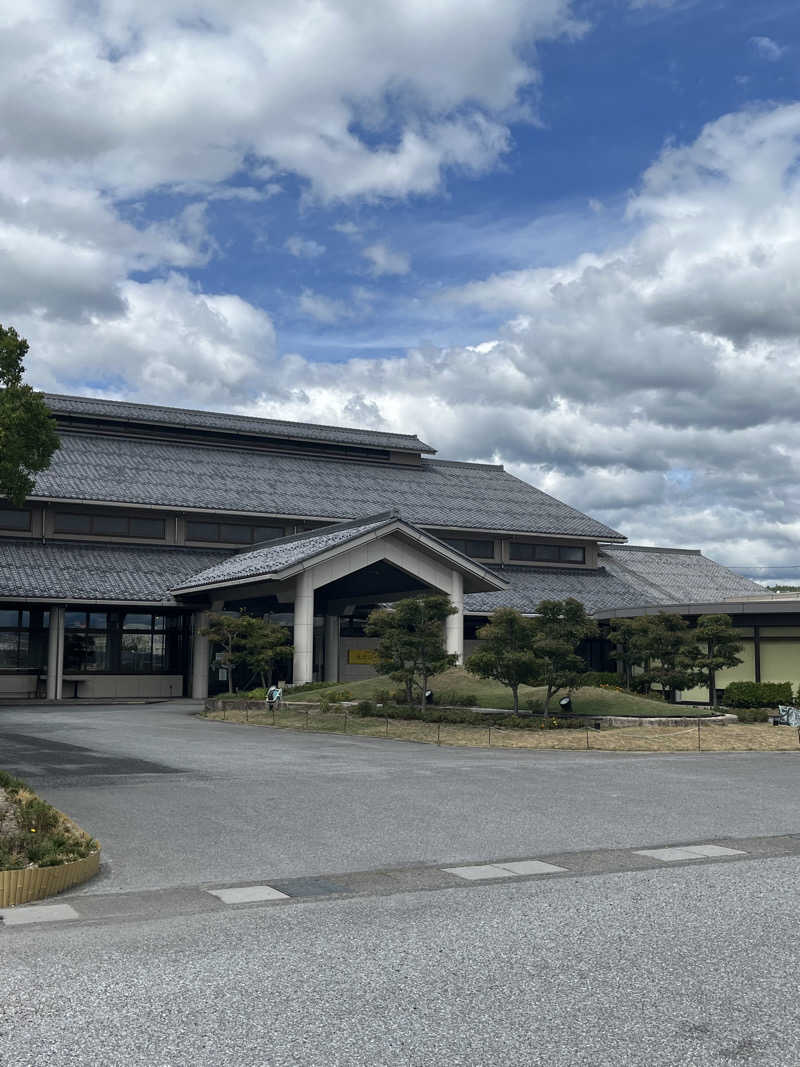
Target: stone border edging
{"x":24,"y":884}
{"x":608,"y":721}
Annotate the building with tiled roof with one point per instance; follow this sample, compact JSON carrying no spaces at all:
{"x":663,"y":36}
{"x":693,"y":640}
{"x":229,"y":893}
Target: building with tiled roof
{"x":150,"y":517}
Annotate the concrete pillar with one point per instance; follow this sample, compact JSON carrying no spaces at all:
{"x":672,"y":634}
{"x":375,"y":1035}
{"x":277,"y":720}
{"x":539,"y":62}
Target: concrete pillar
{"x":331,"y":648}
{"x":55,"y":654}
{"x":303,"y":629}
{"x":454,"y":627}
{"x":200,"y":657}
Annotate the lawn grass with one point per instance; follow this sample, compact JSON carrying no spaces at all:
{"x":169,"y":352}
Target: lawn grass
{"x":750,"y":737}
{"x":588,"y":701}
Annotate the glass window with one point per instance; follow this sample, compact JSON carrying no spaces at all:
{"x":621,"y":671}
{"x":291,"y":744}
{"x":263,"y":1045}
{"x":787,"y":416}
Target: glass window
{"x":9,"y":648}
{"x":476,"y":549}
{"x":136,"y":653}
{"x":110,"y":525}
{"x":137,"y":622}
{"x":202,"y":531}
{"x":546,"y":553}
{"x":229,"y":531}
{"x":567,"y":554}
{"x":147,"y":528}
{"x":267,"y":533}
{"x":521,"y":551}
{"x":9,"y":618}
{"x":15,"y":519}
{"x":85,"y":651}
{"x":75,"y":620}
{"x":71,"y":522}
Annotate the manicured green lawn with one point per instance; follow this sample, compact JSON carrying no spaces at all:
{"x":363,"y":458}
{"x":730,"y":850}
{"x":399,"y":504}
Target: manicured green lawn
{"x":487,"y":694}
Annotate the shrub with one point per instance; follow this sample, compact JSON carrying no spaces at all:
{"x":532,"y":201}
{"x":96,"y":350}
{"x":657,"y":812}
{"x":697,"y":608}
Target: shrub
{"x":534,"y":705}
{"x":752,"y":714}
{"x":455,"y":700}
{"x":365,"y":707}
{"x":305,"y":687}
{"x":603,"y":678}
{"x":757,"y":694}
{"x":41,"y":835}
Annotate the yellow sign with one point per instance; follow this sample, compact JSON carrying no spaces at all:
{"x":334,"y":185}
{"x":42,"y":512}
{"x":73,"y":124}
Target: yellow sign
{"x":366,"y":656}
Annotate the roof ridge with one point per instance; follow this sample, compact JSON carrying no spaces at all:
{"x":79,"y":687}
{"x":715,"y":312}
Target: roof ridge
{"x":657,"y":548}
{"x":265,"y":419}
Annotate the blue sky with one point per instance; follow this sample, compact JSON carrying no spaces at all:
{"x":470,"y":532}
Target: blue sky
{"x":563,"y":235}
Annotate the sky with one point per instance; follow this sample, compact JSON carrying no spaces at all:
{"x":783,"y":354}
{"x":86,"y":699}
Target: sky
{"x":561,"y":235}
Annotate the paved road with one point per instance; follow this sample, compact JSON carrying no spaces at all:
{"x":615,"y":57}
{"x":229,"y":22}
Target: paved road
{"x":177,"y":800}
{"x":694,"y":964}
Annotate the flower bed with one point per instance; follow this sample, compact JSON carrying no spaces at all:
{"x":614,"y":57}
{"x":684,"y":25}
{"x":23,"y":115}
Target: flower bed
{"x":42,"y":852}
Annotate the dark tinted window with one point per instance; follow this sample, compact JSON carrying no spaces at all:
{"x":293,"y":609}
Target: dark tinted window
{"x":475,"y":548}
{"x":111,"y":525}
{"x":231,"y":532}
{"x":520,"y":550}
{"x":147,"y":528}
{"x":71,"y":522}
{"x":571,"y":555}
{"x":14,"y":519}
{"x":202,"y":531}
{"x":267,"y":533}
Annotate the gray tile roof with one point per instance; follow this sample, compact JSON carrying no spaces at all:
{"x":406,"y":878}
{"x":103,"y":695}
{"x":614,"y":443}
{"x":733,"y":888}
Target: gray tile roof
{"x":155,"y":415}
{"x":275,"y":556}
{"x":436,"y":493}
{"x":674,"y":576}
{"x":596,"y":589}
{"x":79,"y":572}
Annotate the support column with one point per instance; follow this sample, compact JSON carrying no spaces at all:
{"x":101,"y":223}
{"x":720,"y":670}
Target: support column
{"x":55,"y":654}
{"x":454,"y":626}
{"x":331,"y":648}
{"x":303,"y":629}
{"x":200,"y":657}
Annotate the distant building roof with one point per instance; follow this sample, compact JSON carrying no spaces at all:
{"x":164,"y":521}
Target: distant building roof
{"x":596,"y":589}
{"x":154,"y":415}
{"x":437,"y":493}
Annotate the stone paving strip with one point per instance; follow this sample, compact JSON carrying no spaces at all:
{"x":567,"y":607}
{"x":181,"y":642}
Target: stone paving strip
{"x":178,"y":900}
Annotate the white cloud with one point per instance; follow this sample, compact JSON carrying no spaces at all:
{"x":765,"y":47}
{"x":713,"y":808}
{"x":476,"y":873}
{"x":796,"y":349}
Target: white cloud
{"x":767,"y":48}
{"x":386,"y":261}
{"x":304,"y":248}
{"x":320,"y":307}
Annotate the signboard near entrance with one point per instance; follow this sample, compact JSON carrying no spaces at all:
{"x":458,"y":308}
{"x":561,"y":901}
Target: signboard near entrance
{"x":367,"y":657}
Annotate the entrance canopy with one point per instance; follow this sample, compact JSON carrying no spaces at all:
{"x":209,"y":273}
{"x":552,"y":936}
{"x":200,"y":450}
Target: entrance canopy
{"x":380,"y":557}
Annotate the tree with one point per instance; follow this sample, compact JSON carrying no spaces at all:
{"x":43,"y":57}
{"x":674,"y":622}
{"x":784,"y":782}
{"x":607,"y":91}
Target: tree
{"x":718,"y":647}
{"x":28,"y":436}
{"x":231,"y":633}
{"x":506,"y":654}
{"x":622,"y":634}
{"x":411,"y":641}
{"x":559,"y":627}
{"x":663,"y":643}
{"x":265,"y":645}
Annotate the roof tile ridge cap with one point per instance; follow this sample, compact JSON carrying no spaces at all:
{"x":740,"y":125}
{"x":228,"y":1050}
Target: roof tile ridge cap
{"x":467,"y":463}
{"x":232,"y":415}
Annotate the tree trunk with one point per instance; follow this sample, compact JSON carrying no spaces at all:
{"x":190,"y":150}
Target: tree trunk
{"x":230,"y":677}
{"x":515,"y":694}
{"x":712,"y":689}
{"x":424,"y":689}
{"x":628,"y":677}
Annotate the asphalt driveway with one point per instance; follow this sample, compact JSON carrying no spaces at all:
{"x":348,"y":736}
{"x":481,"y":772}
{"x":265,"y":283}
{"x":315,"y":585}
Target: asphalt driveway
{"x":178,"y":801}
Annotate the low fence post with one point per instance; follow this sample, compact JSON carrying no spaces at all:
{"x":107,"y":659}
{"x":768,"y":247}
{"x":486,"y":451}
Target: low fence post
{"x":345,"y":720}
{"x":698,"y":734}
{"x":387,"y":727}
{"x":246,"y":713}
{"x":438,"y":733}
{"x":490,"y":736}
{"x":587,"y":738}
{"x":306,"y":726}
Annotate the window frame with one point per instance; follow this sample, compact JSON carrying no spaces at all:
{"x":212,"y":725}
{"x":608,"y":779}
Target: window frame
{"x":91,"y":518}
{"x":515,"y":547}
{"x":219,"y":524}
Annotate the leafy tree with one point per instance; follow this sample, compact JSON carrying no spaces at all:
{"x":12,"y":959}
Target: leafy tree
{"x":506,"y":654}
{"x":411,"y":641}
{"x":230,"y":633}
{"x":28,"y":436}
{"x":266,"y":644}
{"x":622,"y":634}
{"x":718,"y":647}
{"x":559,"y":627}
{"x":663,"y":642}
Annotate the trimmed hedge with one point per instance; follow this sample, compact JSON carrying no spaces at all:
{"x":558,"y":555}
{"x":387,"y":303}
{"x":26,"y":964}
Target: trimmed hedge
{"x":430,"y":713}
{"x":758,"y":694}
